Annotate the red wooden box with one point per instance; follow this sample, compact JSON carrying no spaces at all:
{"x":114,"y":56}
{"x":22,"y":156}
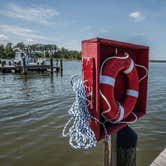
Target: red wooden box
{"x":94,"y":51}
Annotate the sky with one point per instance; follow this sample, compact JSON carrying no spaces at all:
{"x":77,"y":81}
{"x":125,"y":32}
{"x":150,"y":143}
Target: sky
{"x":68,"y":22}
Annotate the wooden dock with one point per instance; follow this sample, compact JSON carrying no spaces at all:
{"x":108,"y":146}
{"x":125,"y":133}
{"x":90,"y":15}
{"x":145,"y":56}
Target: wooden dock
{"x":160,"y":160}
{"x":18,"y":68}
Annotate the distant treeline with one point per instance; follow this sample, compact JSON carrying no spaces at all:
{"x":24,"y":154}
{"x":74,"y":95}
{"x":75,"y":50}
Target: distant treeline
{"x":39,"y":50}
{"x":158,"y":61}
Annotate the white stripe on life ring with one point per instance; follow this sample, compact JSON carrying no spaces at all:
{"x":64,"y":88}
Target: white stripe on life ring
{"x":130,"y":68}
{"x":121,"y":111}
{"x":107,"y":80}
{"x":131,"y":92}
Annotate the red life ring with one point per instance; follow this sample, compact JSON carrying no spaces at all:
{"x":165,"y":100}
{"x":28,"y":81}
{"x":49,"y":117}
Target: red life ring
{"x":110,"y":70}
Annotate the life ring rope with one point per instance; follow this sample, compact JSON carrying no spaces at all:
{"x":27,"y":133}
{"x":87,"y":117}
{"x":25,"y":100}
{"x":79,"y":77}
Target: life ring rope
{"x":146,"y":72}
{"x":130,"y":68}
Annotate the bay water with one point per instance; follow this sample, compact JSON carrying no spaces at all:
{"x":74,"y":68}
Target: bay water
{"x":33,"y":112}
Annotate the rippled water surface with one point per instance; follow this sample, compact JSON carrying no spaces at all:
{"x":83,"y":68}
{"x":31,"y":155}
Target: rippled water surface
{"x":33,"y":111}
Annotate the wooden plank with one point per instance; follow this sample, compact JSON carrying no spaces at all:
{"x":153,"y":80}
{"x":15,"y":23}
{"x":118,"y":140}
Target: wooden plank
{"x":160,"y":160}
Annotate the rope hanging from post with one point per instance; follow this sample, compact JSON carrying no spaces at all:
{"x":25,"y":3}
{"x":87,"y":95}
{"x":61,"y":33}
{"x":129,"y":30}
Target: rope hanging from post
{"x":80,"y":134}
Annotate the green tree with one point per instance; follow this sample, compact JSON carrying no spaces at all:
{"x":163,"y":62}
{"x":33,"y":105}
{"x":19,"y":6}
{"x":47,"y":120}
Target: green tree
{"x":2,"y":50}
{"x":8,"y":52}
{"x":40,"y":50}
{"x":20,"y":45}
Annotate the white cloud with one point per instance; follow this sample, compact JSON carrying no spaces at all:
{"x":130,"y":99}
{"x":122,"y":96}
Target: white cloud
{"x":136,"y":16}
{"x":29,"y":36}
{"x":3,"y":37}
{"x":37,"y":14}
{"x":20,"y":32}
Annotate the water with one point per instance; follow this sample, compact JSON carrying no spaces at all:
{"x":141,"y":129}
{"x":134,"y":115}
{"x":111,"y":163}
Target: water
{"x":33,"y":111}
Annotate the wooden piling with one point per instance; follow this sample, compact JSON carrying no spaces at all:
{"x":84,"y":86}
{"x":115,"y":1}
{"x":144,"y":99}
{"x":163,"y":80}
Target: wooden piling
{"x":126,"y":147}
{"x":51,"y":65}
{"x":123,"y":147}
{"x":24,"y":69}
{"x":61,"y":65}
{"x":2,"y":64}
{"x":42,"y":67}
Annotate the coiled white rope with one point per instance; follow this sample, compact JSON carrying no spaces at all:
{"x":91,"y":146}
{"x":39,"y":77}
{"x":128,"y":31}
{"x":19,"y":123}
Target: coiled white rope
{"x":80,"y":134}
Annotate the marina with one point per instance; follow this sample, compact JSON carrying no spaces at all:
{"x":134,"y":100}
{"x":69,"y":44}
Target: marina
{"x":24,"y":62}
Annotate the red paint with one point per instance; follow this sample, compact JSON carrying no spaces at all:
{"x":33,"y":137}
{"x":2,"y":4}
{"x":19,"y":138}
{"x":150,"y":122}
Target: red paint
{"x":97,"y":50}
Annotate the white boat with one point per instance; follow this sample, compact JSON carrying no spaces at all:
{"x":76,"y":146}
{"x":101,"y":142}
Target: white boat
{"x":7,"y":63}
{"x":30,"y":59}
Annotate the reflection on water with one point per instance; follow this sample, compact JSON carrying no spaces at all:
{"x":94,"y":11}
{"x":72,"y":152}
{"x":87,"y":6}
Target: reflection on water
{"x":33,"y":110}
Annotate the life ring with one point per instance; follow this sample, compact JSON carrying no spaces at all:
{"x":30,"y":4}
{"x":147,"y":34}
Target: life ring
{"x":118,"y":111}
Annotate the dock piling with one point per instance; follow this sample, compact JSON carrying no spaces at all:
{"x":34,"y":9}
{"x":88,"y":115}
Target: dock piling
{"x":51,"y":65}
{"x":126,"y":147}
{"x":61,"y":65}
{"x":24,"y":69}
{"x":123,"y":148}
{"x":2,"y":65}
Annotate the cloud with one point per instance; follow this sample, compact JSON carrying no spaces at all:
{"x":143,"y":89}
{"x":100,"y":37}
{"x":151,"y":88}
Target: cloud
{"x":38,"y":14}
{"x":3,"y":37}
{"x":20,"y":32}
{"x":136,"y":16}
{"x":27,"y":35}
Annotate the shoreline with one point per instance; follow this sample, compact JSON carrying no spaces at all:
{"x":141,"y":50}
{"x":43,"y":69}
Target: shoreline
{"x":157,"y":61}
{"x":65,"y":59}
